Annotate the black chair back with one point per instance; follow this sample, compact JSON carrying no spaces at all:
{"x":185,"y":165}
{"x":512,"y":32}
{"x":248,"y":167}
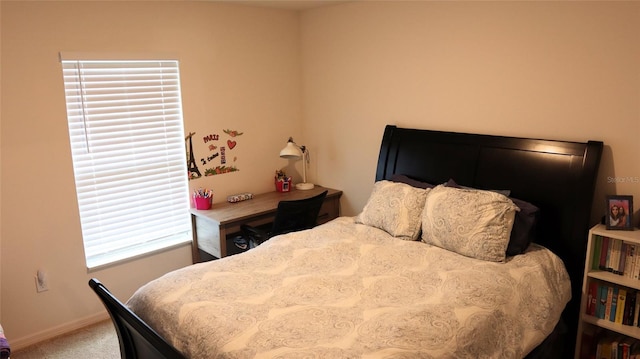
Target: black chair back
{"x":291,"y":216}
{"x":297,"y":215}
{"x":137,"y":339}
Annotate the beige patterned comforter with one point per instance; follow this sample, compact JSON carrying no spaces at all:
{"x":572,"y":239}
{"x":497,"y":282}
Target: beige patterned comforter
{"x":345,"y":290}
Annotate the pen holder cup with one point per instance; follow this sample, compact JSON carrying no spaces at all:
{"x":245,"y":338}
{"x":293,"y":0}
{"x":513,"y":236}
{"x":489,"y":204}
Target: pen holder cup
{"x":283,"y":186}
{"x":202,"y":202}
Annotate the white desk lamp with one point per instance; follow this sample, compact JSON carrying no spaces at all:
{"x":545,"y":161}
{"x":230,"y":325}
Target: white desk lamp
{"x":293,"y":151}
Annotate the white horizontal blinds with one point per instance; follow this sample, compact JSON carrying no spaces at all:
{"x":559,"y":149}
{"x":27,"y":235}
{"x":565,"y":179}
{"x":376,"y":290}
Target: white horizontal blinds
{"x":127,"y":141}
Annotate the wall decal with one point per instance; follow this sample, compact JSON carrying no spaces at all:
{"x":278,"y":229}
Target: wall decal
{"x":204,"y":161}
{"x":193,"y":171}
{"x":232,"y":133}
{"x":210,"y":138}
{"x":218,"y":170}
{"x":212,"y":154}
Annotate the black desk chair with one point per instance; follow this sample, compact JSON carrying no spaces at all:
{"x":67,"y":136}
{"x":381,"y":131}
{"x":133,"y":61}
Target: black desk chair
{"x":137,"y":339}
{"x":291,"y":216}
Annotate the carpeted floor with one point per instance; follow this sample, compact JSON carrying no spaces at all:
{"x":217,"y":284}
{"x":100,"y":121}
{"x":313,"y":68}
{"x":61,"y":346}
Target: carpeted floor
{"x":97,"y":341}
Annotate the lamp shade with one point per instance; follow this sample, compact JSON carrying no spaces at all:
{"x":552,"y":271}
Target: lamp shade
{"x":291,"y":151}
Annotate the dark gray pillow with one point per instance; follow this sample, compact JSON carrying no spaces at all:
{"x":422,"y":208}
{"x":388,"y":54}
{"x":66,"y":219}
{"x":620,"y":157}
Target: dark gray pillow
{"x":524,"y":227}
{"x":411,"y":182}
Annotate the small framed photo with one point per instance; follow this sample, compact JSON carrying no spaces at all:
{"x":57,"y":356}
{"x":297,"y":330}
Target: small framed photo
{"x":619,"y":212}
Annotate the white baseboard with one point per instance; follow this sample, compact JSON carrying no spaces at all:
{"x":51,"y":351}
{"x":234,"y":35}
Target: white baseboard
{"x":21,"y":343}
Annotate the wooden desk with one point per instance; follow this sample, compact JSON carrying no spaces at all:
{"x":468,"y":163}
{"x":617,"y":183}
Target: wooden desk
{"x":212,"y":227}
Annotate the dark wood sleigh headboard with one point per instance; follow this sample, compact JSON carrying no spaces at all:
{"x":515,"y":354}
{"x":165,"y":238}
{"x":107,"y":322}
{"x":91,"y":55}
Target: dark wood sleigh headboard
{"x":558,"y":177}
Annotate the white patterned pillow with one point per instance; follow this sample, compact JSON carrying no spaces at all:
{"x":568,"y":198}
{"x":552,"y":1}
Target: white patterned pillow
{"x":395,"y":208}
{"x":470,"y":222}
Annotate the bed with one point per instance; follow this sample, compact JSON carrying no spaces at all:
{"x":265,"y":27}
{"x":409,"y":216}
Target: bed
{"x":431,"y":267}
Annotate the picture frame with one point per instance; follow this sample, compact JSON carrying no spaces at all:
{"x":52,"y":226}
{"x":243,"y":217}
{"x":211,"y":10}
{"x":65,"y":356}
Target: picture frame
{"x":619,"y":212}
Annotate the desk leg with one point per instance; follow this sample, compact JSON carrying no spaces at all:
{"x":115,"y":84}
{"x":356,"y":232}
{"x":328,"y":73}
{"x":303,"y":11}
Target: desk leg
{"x":195,"y":254}
{"x":223,"y":242}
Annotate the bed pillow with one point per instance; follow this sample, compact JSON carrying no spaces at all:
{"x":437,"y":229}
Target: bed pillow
{"x":395,"y":208}
{"x":524,"y":227}
{"x":470,"y":222}
{"x":523,"y":232}
{"x":411,"y":182}
{"x":452,"y":183}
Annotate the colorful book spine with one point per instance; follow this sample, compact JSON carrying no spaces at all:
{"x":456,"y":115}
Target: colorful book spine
{"x":614,"y":303}
{"x":630,"y":308}
{"x":616,"y":256}
{"x":597,"y":252}
{"x":622,"y":258}
{"x":620,"y":306}
{"x":636,"y":262}
{"x":592,"y":298}
{"x":605,"y":350}
{"x":610,"y":253}
{"x":636,"y":312}
{"x":602,"y":302}
{"x":607,"y":303}
{"x":623,"y":350}
{"x":614,"y":259}
{"x":629,"y":264}
{"x":604,"y":255}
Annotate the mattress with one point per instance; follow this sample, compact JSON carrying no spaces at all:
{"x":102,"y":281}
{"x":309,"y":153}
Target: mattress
{"x":347,"y":290}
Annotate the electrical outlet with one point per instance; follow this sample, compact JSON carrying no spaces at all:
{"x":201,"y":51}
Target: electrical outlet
{"x":41,"y":282}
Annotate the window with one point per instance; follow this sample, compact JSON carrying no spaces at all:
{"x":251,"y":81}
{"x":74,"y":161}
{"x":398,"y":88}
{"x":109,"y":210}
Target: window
{"x":127,"y":142}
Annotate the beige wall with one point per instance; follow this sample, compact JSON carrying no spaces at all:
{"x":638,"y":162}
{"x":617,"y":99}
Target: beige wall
{"x":239,"y":69}
{"x":558,"y":70}
{"x":0,"y":167}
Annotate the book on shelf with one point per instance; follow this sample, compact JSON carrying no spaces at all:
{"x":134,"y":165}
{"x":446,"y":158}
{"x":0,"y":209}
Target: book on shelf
{"x":634,"y":271}
{"x":616,"y":256}
{"x":597,"y":252}
{"x":614,"y":303}
{"x":604,"y":252}
{"x":628,"y":264}
{"x":620,"y":308}
{"x":608,"y":245}
{"x":613,"y":346}
{"x":635,"y":263}
{"x":592,"y":298}
{"x":630,"y":308}
{"x":604,"y":349}
{"x":636,"y":309}
{"x":612,"y":300}
{"x":602,"y":301}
